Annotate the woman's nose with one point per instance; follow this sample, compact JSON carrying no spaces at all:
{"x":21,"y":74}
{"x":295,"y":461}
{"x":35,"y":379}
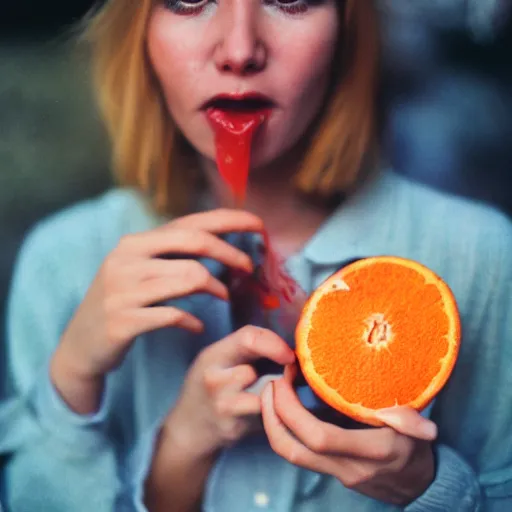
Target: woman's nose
{"x":240,"y":49}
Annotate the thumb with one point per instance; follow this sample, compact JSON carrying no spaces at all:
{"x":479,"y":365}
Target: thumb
{"x":409,"y":422}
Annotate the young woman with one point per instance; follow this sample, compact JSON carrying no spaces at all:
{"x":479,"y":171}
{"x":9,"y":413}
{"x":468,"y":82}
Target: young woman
{"x":131,"y":375}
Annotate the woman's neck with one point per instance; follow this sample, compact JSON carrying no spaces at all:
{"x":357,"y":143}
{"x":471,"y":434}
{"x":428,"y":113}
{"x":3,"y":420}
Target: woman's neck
{"x":289,"y":218}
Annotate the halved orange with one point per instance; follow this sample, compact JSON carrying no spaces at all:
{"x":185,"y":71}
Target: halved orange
{"x":383,"y":331}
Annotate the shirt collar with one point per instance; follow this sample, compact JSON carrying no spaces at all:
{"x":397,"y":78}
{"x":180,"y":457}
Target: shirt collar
{"x":365,"y":215}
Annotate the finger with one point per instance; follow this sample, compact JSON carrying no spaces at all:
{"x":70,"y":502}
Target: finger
{"x":187,"y":242}
{"x":241,"y":404}
{"x":251,"y":343}
{"x":290,"y":372}
{"x":283,"y":443}
{"x":262,"y":383}
{"x":408,"y":422}
{"x":138,"y":321}
{"x":190,"y":277}
{"x":156,"y":268}
{"x":326,"y":438}
{"x":236,"y":378}
{"x":221,"y":220}
{"x":354,"y":473}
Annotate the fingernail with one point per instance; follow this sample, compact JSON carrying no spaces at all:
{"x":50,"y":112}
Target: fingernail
{"x":389,"y":416}
{"x":267,"y":393}
{"x":429,"y":428}
{"x":392,"y":417}
{"x":248,"y":264}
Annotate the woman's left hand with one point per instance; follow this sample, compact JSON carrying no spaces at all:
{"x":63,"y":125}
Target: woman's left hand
{"x":393,"y":464}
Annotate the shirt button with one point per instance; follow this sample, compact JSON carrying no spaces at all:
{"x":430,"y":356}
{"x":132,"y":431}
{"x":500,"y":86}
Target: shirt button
{"x":261,"y":500}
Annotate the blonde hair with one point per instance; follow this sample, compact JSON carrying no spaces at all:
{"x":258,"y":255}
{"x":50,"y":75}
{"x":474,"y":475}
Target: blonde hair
{"x":151,"y":155}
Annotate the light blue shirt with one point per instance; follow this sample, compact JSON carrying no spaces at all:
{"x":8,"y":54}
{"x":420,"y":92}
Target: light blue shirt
{"x":65,"y":462}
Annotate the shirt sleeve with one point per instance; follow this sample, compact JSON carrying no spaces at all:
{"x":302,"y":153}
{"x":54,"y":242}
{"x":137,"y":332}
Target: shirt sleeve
{"x":67,"y":460}
{"x":131,"y":497}
{"x":457,"y":486}
{"x":57,"y":460}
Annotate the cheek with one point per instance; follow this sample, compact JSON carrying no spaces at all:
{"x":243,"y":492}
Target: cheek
{"x":309,"y":62}
{"x":160,"y":46}
{"x":169,"y":56}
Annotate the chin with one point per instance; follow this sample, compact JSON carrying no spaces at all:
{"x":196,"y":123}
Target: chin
{"x":261,"y":161}
{"x":269,"y":148}
{"x":275,"y":152}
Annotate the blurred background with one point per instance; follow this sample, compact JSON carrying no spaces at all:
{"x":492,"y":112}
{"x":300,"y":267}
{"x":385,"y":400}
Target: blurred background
{"x":53,"y":149}
{"x":447,"y":117}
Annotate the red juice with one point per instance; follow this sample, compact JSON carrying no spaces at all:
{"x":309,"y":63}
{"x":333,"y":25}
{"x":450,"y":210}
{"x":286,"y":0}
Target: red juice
{"x":270,"y":296}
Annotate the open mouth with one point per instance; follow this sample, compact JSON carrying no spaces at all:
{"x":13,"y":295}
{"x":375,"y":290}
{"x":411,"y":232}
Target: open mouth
{"x":249,"y":104}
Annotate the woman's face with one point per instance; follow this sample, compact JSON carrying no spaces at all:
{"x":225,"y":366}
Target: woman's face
{"x":282,"y":49}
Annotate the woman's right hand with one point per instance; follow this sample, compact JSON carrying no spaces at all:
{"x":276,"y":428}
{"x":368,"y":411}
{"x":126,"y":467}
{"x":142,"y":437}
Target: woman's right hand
{"x":120,"y":303}
{"x":215,"y":409}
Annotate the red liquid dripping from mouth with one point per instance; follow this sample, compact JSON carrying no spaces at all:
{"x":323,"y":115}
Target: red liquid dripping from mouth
{"x":269,"y":297}
{"x":233,"y":138}
{"x":271,"y":285}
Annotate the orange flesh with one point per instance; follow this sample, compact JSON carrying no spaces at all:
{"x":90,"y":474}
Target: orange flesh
{"x":401,"y":377}
{"x":389,"y":337}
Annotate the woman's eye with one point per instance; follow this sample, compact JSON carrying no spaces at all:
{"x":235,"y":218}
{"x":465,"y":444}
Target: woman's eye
{"x":290,"y":6}
{"x":194,"y":6}
{"x":186,"y":6}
